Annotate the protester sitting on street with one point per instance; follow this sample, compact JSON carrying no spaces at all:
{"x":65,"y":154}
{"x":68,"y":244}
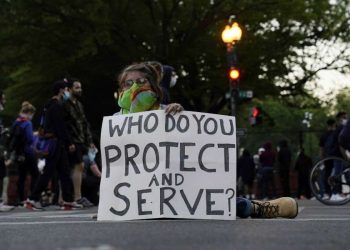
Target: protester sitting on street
{"x":55,"y":129}
{"x":140,"y":91}
{"x":23,"y":155}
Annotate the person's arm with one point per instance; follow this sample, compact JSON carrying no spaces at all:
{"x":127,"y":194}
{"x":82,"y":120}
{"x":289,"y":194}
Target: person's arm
{"x":95,"y":170}
{"x":86,"y":126}
{"x":28,"y":128}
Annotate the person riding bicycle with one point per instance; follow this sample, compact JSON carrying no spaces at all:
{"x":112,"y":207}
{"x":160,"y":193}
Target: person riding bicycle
{"x":335,"y":151}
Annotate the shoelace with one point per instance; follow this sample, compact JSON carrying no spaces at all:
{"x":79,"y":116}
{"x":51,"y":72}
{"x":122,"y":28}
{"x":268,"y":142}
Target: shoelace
{"x":266,"y":209}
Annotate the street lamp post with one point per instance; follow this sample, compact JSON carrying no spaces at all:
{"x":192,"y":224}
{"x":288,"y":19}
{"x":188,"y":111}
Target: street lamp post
{"x":230,"y":36}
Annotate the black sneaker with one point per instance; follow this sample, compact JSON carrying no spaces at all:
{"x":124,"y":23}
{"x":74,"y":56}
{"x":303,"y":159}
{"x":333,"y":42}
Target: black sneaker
{"x":85,"y":202}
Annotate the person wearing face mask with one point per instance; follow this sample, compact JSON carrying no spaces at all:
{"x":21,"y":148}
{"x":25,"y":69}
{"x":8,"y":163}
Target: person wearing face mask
{"x":24,"y":158}
{"x":55,"y":128}
{"x":169,"y":79}
{"x":140,"y":91}
{"x":81,"y":136}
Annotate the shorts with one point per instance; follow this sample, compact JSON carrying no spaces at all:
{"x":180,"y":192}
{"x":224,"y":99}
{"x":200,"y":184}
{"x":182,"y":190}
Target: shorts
{"x":76,"y":157}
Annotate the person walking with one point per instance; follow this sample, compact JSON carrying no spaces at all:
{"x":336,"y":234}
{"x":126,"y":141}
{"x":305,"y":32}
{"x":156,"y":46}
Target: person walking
{"x":55,"y":129}
{"x":81,"y":137}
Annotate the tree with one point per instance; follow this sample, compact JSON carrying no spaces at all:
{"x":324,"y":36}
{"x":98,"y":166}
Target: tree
{"x":41,"y":41}
{"x":343,"y":101}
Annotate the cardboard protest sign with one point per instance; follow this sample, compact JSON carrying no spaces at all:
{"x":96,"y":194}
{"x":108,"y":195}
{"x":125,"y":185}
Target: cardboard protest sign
{"x":168,"y":166}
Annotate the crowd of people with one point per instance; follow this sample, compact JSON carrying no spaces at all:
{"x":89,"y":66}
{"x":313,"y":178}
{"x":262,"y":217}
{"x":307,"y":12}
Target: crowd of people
{"x":52,"y":156}
{"x":261,"y":174}
{"x":64,"y":147}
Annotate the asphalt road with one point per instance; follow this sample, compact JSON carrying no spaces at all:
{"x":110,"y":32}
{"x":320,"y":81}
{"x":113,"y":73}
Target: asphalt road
{"x":316,"y":227}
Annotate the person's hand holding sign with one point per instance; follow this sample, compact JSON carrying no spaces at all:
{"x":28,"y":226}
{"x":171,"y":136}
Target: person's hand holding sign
{"x":174,"y":108}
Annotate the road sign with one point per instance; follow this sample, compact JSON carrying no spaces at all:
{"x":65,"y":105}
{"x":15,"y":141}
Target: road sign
{"x":241,"y":131}
{"x":245,"y":94}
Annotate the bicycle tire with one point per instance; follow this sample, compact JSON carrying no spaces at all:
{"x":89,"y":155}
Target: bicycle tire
{"x":318,"y":179}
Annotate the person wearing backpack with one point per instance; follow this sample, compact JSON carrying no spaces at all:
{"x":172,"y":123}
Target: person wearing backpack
{"x":21,"y":152}
{"x":55,"y":129}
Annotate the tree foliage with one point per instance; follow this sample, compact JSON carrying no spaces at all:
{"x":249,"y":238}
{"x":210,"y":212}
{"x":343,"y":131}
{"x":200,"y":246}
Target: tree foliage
{"x":41,"y":41}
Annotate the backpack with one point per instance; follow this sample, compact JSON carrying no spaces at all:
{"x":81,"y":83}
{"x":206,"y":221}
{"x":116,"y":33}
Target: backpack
{"x":43,"y":145}
{"x":16,"y":142}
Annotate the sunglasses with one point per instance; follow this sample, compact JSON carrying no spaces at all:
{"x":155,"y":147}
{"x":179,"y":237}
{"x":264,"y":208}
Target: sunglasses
{"x":128,"y":83}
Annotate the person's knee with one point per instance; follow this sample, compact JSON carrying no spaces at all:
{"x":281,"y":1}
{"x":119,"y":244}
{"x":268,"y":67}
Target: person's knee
{"x":243,"y":207}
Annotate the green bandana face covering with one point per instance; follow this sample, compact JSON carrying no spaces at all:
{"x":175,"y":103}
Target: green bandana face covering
{"x":124,"y":100}
{"x":137,"y":98}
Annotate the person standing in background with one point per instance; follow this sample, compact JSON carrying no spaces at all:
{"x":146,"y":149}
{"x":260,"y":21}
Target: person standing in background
{"x":81,"y":137}
{"x":29,"y":163}
{"x":284,"y":158}
{"x":303,"y":166}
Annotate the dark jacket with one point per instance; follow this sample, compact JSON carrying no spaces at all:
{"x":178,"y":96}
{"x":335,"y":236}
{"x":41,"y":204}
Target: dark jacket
{"x":54,"y":121}
{"x":268,"y":157}
{"x":77,"y":123}
{"x":246,"y":167}
{"x":284,"y":157}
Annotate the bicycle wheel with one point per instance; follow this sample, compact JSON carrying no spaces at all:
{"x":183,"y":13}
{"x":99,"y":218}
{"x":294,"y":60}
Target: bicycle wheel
{"x":329,"y":181}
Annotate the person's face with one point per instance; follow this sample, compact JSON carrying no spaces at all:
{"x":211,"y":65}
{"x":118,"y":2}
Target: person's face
{"x":132,"y":77}
{"x":61,"y":93}
{"x":30,"y":115}
{"x":76,"y":89}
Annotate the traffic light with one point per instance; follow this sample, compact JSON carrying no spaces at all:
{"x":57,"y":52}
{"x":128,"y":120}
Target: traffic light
{"x":255,"y":116}
{"x":234,"y":74}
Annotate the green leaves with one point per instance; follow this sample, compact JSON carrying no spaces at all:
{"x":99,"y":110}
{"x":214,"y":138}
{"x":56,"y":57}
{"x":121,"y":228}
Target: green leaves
{"x":94,"y":40}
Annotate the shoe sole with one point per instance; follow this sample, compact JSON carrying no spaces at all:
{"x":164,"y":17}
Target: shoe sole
{"x":67,"y":208}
